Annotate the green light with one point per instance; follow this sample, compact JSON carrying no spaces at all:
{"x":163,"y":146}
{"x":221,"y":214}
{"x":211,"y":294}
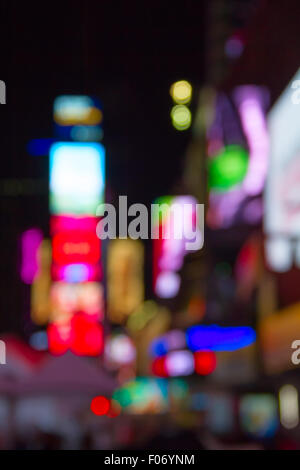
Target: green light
{"x":227,"y":169}
{"x":181,"y":117}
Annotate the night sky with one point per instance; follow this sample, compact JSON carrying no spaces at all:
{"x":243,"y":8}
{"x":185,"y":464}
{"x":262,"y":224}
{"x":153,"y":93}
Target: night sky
{"x":125,"y":53}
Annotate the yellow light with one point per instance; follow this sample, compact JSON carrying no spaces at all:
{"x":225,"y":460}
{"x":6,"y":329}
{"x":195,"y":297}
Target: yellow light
{"x":181,"y":117}
{"x":181,"y":92}
{"x":288,"y":406}
{"x":125,"y":282}
{"x":40,"y":288}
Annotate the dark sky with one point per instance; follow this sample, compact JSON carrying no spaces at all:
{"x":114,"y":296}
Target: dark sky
{"x":127,"y":54}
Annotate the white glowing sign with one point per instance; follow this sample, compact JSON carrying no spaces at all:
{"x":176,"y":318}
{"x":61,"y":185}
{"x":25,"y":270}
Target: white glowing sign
{"x":282,"y":194}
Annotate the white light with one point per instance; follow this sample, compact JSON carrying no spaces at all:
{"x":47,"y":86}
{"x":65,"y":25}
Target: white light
{"x":120,"y":349}
{"x":288,"y":406}
{"x":279,"y":254}
{"x":76,"y":178}
{"x":180,"y":363}
{"x":167,"y":284}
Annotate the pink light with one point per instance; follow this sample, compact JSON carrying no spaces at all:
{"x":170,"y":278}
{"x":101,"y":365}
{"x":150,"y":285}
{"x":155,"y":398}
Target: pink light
{"x":62,"y":223}
{"x":30,"y":243}
{"x":254,"y":124}
{"x":177,"y":230}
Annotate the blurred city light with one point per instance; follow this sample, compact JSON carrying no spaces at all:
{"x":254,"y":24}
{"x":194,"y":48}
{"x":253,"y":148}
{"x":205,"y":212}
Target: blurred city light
{"x":289,"y":406}
{"x":174,"y":339}
{"x":228,"y":168}
{"x":40,"y":290}
{"x":218,"y":338}
{"x":119,"y":349}
{"x":100,"y":405}
{"x":183,"y":363}
{"x":71,"y":109}
{"x":205,"y":362}
{"x":76,"y":178}
{"x":281,"y":210}
{"x":39,"y":147}
{"x":259,"y":414}
{"x":181,"y":92}
{"x":279,"y":253}
{"x":179,"y":363}
{"x":39,"y":340}
{"x":143,"y":395}
{"x":250,"y":101}
{"x":181,"y":117}
{"x":124,"y":278}
{"x":30,"y":240}
{"x":173,"y":230}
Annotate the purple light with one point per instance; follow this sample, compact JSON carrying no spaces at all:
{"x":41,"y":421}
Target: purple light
{"x":253,"y":211}
{"x":174,"y":339}
{"x":167,"y":284}
{"x":30,"y":243}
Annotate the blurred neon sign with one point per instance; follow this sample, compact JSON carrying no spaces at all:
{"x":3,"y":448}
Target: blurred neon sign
{"x":281,"y":201}
{"x":219,"y":338}
{"x":174,"y":234}
{"x":30,"y":242}
{"x":77,"y":176}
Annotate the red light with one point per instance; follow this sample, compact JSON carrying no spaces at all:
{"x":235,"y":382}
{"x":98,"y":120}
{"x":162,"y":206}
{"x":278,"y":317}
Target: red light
{"x":83,"y":336}
{"x":58,"y":338}
{"x":100,"y":405}
{"x":205,"y":362}
{"x":86,"y":336}
{"x":159,"y":367}
{"x":76,"y":247}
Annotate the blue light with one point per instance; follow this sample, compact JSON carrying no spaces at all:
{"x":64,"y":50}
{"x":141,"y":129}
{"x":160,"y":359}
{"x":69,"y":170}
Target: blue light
{"x":159,"y":347}
{"x":76,"y":273}
{"x":219,"y":338}
{"x":39,"y":147}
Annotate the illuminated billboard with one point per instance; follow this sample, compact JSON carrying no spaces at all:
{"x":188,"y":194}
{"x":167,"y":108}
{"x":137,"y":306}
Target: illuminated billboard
{"x":177,"y":229}
{"x":282,"y":195}
{"x":125,"y":278}
{"x":77,"y":178}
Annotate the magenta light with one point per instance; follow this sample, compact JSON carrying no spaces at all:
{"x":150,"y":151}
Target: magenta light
{"x":63,"y":223}
{"x":30,"y":243}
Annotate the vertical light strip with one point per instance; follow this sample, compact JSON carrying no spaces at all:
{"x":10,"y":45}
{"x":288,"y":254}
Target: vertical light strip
{"x":289,"y":406}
